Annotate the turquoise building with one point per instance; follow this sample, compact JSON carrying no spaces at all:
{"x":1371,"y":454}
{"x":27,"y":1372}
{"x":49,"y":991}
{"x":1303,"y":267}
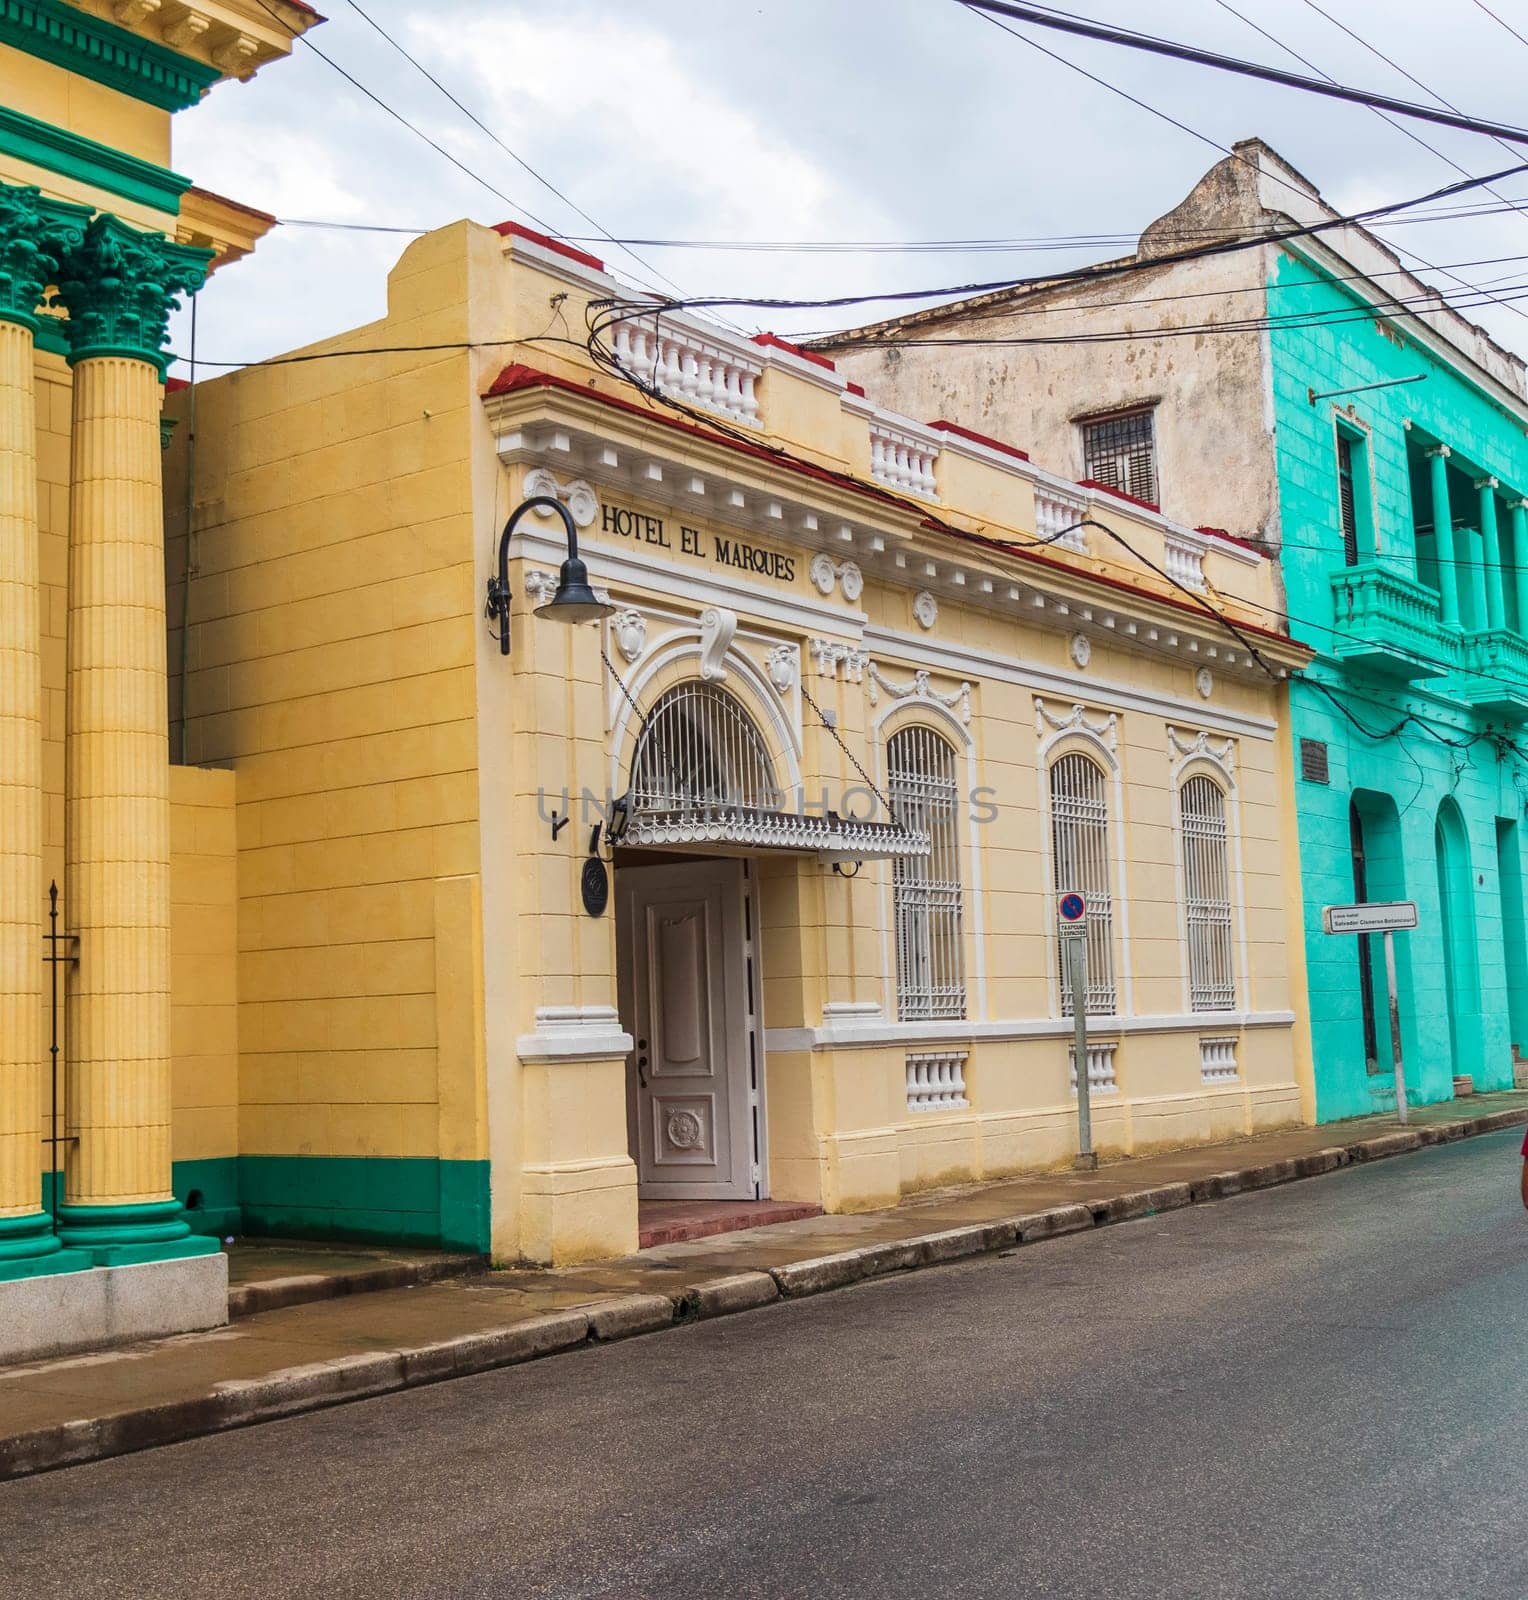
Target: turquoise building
{"x":1402,"y":473}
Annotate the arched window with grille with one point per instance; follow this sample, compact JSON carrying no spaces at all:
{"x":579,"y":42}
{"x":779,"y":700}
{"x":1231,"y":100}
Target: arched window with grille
{"x":700,"y":752}
{"x":927,"y":896}
{"x":1207,"y":894}
{"x":1080,"y":852}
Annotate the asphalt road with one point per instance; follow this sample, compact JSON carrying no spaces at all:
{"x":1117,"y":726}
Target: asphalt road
{"x":1320,"y":1390}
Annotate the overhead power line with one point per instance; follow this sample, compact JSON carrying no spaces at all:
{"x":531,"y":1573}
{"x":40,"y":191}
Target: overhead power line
{"x":616,"y":310}
{"x":1227,"y":150}
{"x":398,"y":116}
{"x":1067,"y":22}
{"x":513,"y":155}
{"x":1384,"y":116}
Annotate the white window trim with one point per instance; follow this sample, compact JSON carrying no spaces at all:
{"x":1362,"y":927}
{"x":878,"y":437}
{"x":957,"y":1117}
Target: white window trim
{"x":1219,"y":766}
{"x":1082,"y":739}
{"x":945,"y":721}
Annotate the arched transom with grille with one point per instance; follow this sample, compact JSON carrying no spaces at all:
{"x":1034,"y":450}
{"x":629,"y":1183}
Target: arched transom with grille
{"x":699,"y":750}
{"x":1080,"y":851}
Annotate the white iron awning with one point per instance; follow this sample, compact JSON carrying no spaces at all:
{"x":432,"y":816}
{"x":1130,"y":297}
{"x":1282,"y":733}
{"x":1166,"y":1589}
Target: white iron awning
{"x":754,"y":828}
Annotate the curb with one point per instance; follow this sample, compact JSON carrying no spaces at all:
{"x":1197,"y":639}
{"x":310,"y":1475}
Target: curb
{"x":273,"y":1294}
{"x":293,"y":1390}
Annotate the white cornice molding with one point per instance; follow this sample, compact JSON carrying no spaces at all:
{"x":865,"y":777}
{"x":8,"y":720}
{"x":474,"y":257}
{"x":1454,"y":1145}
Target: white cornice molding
{"x":849,"y":1035}
{"x":956,"y":661}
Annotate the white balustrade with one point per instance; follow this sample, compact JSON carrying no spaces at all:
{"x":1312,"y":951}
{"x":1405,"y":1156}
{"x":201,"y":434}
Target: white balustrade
{"x":1101,"y":1079}
{"x":902,"y":461}
{"x":1217,"y":1061}
{"x":1053,"y":512}
{"x":1184,"y":560}
{"x":678,"y":362}
{"x":936,"y":1079}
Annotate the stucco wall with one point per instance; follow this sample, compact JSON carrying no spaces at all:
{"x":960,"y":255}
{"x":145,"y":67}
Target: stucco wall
{"x":1214,"y":456}
{"x":331,"y":637}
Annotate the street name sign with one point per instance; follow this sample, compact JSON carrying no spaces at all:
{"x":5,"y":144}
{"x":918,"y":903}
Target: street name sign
{"x":1371,"y":916}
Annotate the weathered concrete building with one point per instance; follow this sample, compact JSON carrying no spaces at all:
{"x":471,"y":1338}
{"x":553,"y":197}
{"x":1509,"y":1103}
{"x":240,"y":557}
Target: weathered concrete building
{"x":1313,"y":397}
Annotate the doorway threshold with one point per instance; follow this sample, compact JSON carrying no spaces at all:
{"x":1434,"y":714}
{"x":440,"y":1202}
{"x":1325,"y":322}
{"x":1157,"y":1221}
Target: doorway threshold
{"x":674,"y":1221}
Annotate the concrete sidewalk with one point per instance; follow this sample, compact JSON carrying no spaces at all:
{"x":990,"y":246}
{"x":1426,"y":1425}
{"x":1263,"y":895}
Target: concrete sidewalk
{"x":299,"y":1357}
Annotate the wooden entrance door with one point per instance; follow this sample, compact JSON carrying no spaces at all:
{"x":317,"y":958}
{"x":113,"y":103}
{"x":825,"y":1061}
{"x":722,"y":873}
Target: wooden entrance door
{"x":684,"y":1001}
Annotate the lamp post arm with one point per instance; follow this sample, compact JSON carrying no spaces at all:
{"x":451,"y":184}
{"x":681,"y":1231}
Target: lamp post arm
{"x":498,"y":586}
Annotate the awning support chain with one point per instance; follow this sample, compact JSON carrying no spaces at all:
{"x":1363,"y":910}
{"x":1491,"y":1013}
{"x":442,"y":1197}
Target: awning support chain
{"x":870,"y":782}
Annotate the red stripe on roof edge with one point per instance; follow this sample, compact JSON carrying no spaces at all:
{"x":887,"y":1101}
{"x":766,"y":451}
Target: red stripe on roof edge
{"x":775,"y":342}
{"x":1119,"y":494}
{"x":514,"y":230}
{"x":980,"y":438}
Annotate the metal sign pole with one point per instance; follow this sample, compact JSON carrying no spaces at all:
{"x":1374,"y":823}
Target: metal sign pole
{"x":1393,"y":994}
{"x":1077,"y":967}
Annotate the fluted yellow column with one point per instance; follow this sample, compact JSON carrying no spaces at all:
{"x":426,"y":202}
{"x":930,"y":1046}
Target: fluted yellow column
{"x":30,"y":231}
{"x":118,"y":288}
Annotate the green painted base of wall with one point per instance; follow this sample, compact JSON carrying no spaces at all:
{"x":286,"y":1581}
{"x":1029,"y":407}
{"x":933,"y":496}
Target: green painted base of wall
{"x":438,"y":1205}
{"x":441,"y":1205}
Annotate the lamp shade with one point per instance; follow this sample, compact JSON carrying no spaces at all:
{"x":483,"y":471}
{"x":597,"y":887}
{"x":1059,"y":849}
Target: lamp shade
{"x":574,"y":601}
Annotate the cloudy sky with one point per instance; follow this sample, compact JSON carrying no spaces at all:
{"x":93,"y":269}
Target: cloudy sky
{"x":825,"y":122}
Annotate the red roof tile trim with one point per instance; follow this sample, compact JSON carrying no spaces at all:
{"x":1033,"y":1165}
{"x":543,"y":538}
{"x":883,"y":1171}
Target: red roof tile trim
{"x":1119,"y":494}
{"x":857,"y":389}
{"x":980,"y":438}
{"x":517,"y":377}
{"x":775,"y":342}
{"x":1231,"y":538}
{"x":514,"y":231}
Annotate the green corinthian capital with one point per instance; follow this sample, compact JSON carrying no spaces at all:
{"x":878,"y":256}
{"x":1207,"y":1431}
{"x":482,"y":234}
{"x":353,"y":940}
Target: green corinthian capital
{"x":119,"y":287}
{"x":34,"y":234}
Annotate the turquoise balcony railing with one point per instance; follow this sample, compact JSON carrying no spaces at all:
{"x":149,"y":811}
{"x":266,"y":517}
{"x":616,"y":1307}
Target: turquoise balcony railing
{"x":1388,"y":624}
{"x":1495,"y":679}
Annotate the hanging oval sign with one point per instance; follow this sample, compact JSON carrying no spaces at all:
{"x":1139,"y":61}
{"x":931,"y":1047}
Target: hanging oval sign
{"x":595,"y":884}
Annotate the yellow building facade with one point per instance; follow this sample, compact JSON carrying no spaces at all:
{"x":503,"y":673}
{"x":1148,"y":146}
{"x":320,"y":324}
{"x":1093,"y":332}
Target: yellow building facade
{"x":99,"y":238}
{"x":745,"y":890}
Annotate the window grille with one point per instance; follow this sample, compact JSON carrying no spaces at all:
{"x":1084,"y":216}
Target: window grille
{"x":1207,"y":895}
{"x":927,"y":899}
{"x":1120,"y":451}
{"x":936,"y":1080}
{"x":1347,"y":506}
{"x":1080,"y":840}
{"x":700,"y":750}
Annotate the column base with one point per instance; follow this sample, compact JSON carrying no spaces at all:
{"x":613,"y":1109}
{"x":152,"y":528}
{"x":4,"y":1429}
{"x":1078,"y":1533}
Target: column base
{"x":29,"y":1248}
{"x":53,"y":1314}
{"x":129,"y":1235}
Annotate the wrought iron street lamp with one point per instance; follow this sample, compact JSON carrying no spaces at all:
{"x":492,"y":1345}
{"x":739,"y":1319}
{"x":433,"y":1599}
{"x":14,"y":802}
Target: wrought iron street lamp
{"x":574,"y":600}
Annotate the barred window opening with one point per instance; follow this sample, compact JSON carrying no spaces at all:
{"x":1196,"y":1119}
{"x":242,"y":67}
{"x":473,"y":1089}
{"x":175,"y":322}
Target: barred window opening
{"x":1207,"y":895}
{"x":699,"y":751}
{"x":927,"y":898}
{"x":1120,"y":451}
{"x":1080,"y":849}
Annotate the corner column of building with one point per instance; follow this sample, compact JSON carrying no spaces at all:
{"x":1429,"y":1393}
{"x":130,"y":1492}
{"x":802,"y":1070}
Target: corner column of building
{"x":119,"y":286}
{"x":1444,"y":542}
{"x":1490,"y":538}
{"x":1519,"y":510}
{"x":32,"y":231}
